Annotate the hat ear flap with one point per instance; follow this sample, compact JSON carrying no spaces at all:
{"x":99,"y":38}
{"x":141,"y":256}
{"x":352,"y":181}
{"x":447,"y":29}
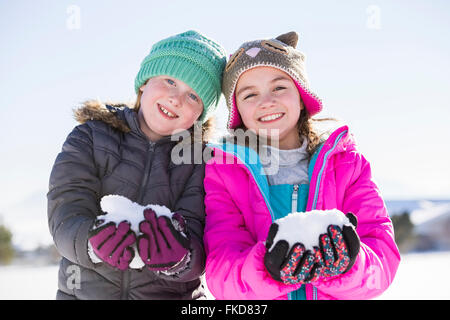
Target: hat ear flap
{"x":290,"y":38}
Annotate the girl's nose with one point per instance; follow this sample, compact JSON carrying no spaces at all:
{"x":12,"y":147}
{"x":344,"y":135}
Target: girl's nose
{"x":175,"y":99}
{"x":267,"y":101}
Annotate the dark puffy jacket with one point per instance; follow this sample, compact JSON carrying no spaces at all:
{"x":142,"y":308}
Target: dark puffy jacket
{"x":109,"y":154}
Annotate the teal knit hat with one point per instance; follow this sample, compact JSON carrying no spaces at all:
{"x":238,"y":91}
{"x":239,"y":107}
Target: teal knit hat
{"x":191,"y":58}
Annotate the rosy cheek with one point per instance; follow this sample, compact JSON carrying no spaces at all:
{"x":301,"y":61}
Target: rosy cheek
{"x":247,"y":116}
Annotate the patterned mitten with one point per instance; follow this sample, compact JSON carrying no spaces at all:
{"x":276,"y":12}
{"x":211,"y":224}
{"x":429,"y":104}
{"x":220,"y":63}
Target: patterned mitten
{"x":289,"y":266}
{"x":338,"y":249}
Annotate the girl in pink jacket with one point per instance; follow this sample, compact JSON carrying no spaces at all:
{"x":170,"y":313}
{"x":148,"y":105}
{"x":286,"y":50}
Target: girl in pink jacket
{"x":281,"y":167}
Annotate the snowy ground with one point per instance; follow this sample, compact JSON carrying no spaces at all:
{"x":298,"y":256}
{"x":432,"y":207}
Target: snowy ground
{"x":421,"y":276}
{"x":418,"y":277}
{"x":28,"y":283}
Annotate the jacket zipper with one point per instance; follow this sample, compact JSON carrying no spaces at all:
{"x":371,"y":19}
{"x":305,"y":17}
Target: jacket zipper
{"x":316,"y":194}
{"x":150,"y":150}
{"x":294,"y":198}
{"x":125,"y":288}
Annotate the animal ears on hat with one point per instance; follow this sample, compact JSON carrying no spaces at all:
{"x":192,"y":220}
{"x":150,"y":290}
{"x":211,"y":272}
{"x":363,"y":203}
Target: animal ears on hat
{"x":290,"y":38}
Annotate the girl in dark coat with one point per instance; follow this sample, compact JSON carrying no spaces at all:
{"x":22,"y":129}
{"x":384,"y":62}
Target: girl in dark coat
{"x":127,"y":151}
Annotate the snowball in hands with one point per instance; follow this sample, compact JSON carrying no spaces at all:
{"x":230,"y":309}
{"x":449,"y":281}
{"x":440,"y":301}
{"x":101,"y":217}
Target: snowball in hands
{"x":117,"y":209}
{"x":306,"y":227}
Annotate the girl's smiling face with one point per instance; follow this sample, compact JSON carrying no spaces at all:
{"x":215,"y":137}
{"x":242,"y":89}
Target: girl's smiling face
{"x":168,"y":105}
{"x":267,"y":98}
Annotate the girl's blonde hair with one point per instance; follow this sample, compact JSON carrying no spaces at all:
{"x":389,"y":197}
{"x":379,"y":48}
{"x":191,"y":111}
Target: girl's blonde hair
{"x":306,"y":128}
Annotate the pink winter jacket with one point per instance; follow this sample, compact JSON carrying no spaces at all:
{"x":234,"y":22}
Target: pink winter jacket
{"x":238,"y":221}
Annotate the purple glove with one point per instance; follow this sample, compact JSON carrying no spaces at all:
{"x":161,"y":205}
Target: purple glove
{"x":162,"y":244}
{"x":112,"y":244}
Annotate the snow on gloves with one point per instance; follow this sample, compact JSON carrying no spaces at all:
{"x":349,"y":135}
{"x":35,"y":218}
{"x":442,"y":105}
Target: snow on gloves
{"x":113,"y":238}
{"x":304,"y":246}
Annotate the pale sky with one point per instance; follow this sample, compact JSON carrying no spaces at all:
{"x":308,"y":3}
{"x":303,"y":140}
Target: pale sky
{"x":380,"y":66}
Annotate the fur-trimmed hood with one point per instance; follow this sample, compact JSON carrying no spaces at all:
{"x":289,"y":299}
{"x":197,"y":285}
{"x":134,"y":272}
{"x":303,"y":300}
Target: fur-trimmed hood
{"x":108,"y":113}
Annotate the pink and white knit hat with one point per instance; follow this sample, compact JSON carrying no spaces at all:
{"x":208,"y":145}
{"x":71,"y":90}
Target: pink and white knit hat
{"x":278,"y":53}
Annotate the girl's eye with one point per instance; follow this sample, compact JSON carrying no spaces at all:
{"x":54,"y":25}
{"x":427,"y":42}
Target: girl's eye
{"x":193,"y":97}
{"x":249,"y":96}
{"x":171,"y":82}
{"x":279,"y":88}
